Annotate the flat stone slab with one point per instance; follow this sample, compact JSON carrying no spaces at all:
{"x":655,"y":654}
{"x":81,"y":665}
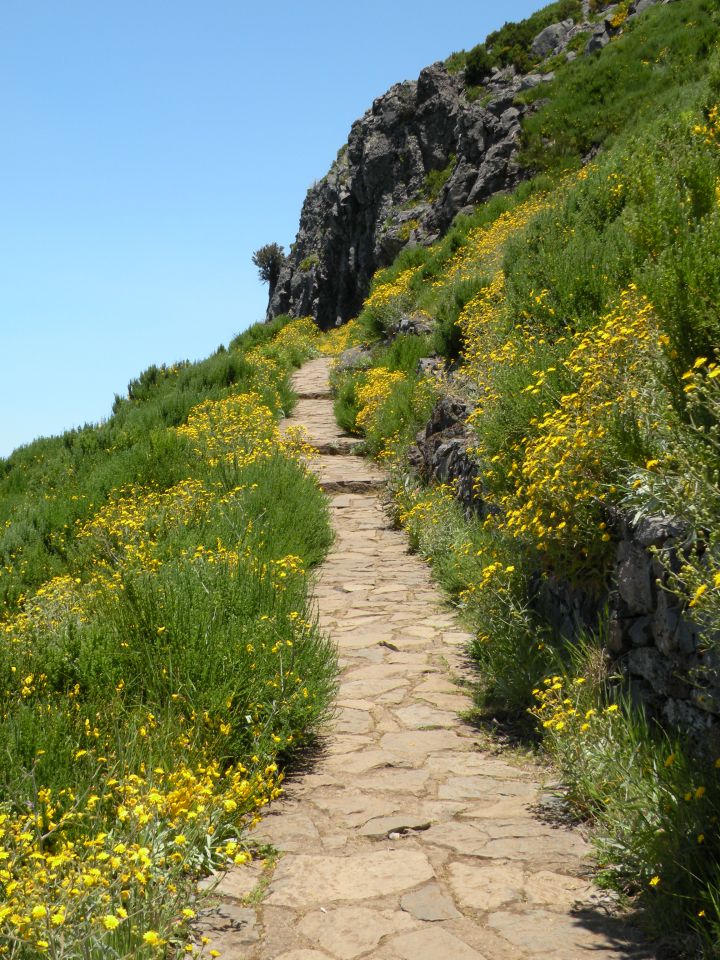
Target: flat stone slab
{"x":395,"y":780}
{"x":349,"y":932}
{"x":412,"y":747}
{"x":486,"y":887}
{"x":554,"y":936}
{"x":236,"y":883}
{"x":231,"y":926}
{"x":475,"y":788}
{"x":463,"y":838}
{"x":372,"y":687}
{"x":353,"y":721}
{"x":402,"y":823}
{"x":432,"y":943}
{"x":420,"y":717}
{"x":304,"y":955}
{"x":290,"y":832}
{"x":347,"y":474}
{"x":430,"y":904}
{"x":302,"y":880}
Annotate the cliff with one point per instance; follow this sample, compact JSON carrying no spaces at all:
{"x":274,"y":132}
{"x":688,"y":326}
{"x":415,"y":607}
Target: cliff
{"x":425,"y":151}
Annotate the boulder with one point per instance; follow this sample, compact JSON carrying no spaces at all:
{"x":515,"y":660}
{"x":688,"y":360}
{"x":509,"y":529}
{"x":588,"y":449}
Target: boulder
{"x":417,"y":324}
{"x":599,"y":39}
{"x":353,"y":359}
{"x":634,"y":584}
{"x":549,"y":40}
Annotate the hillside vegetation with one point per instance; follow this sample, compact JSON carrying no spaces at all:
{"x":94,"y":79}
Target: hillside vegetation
{"x":158,"y":658}
{"x":160,"y":661}
{"x":578,"y":319}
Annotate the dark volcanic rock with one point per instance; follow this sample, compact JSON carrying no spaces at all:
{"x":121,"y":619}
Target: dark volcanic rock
{"x":441,"y":453}
{"x":373,"y":200}
{"x":551,"y":38}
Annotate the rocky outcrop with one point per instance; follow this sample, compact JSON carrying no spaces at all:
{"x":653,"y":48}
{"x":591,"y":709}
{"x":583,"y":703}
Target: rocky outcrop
{"x":441,"y":452}
{"x":375,"y":200}
{"x":377,"y":197}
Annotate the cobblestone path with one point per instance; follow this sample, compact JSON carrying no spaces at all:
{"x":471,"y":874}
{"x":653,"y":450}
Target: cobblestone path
{"x":405,"y":841}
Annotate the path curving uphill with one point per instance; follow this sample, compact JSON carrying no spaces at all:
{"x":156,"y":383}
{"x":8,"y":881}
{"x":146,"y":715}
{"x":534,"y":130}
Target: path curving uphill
{"x":405,"y":841}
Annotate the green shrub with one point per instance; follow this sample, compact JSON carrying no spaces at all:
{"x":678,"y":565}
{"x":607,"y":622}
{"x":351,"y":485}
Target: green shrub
{"x":345,"y":404}
{"x":309,"y":262}
{"x":512,"y":42}
{"x":448,"y":336}
{"x":478,"y":65}
{"x":653,"y":803}
{"x":435,"y":180}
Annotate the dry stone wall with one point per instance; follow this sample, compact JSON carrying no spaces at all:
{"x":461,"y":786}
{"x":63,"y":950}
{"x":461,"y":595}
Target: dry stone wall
{"x":661,"y":651}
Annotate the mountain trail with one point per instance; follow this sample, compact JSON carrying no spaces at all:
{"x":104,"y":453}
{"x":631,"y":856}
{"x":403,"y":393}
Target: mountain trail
{"x":404,"y":840}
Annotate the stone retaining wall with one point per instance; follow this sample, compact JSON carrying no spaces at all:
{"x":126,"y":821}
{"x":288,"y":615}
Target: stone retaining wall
{"x":659,"y":649}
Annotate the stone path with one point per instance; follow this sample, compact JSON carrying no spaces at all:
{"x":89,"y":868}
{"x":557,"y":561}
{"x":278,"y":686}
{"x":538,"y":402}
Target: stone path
{"x":405,"y":841}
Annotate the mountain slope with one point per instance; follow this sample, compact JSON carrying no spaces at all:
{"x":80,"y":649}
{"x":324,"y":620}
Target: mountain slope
{"x":432,"y":148}
{"x":159,"y":657}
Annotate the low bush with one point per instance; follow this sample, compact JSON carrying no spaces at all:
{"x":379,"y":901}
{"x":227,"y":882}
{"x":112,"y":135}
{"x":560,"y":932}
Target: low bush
{"x":653,"y":804}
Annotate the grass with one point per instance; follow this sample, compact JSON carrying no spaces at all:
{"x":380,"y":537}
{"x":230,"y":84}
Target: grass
{"x":653,"y":803}
{"x":159,"y":660}
{"x":435,"y":180}
{"x":652,"y":67}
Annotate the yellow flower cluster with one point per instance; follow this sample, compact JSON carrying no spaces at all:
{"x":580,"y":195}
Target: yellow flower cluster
{"x":239,"y":428}
{"x":559,"y":709}
{"x":54,"y":602}
{"x":702,"y":373}
{"x":385,"y":293}
{"x":428,"y":510}
{"x":492,"y":576}
{"x":341,"y":338}
{"x":297,"y":341}
{"x":693,"y":481}
{"x":484,"y":245}
{"x":557,"y":472}
{"x":620,"y":15}
{"x":488,"y":345}
{"x":59,"y":868}
{"x":710,"y":130}
{"x":302,"y":334}
{"x":125,"y":529}
{"x":376,"y":389}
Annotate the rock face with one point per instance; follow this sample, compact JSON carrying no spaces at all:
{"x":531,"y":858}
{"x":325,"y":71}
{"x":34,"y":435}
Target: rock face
{"x":374,"y":200}
{"x":551,"y":38}
{"x":441,"y":452}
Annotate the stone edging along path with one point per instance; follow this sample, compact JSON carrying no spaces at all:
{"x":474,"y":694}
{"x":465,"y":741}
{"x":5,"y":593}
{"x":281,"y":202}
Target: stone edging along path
{"x":406,"y":841}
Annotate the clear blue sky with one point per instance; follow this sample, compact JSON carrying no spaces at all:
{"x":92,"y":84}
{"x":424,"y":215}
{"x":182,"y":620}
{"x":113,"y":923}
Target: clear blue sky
{"x":148,"y":149}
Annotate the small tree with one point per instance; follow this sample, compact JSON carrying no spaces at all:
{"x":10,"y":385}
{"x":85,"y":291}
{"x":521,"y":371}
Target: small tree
{"x":269,"y":259}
